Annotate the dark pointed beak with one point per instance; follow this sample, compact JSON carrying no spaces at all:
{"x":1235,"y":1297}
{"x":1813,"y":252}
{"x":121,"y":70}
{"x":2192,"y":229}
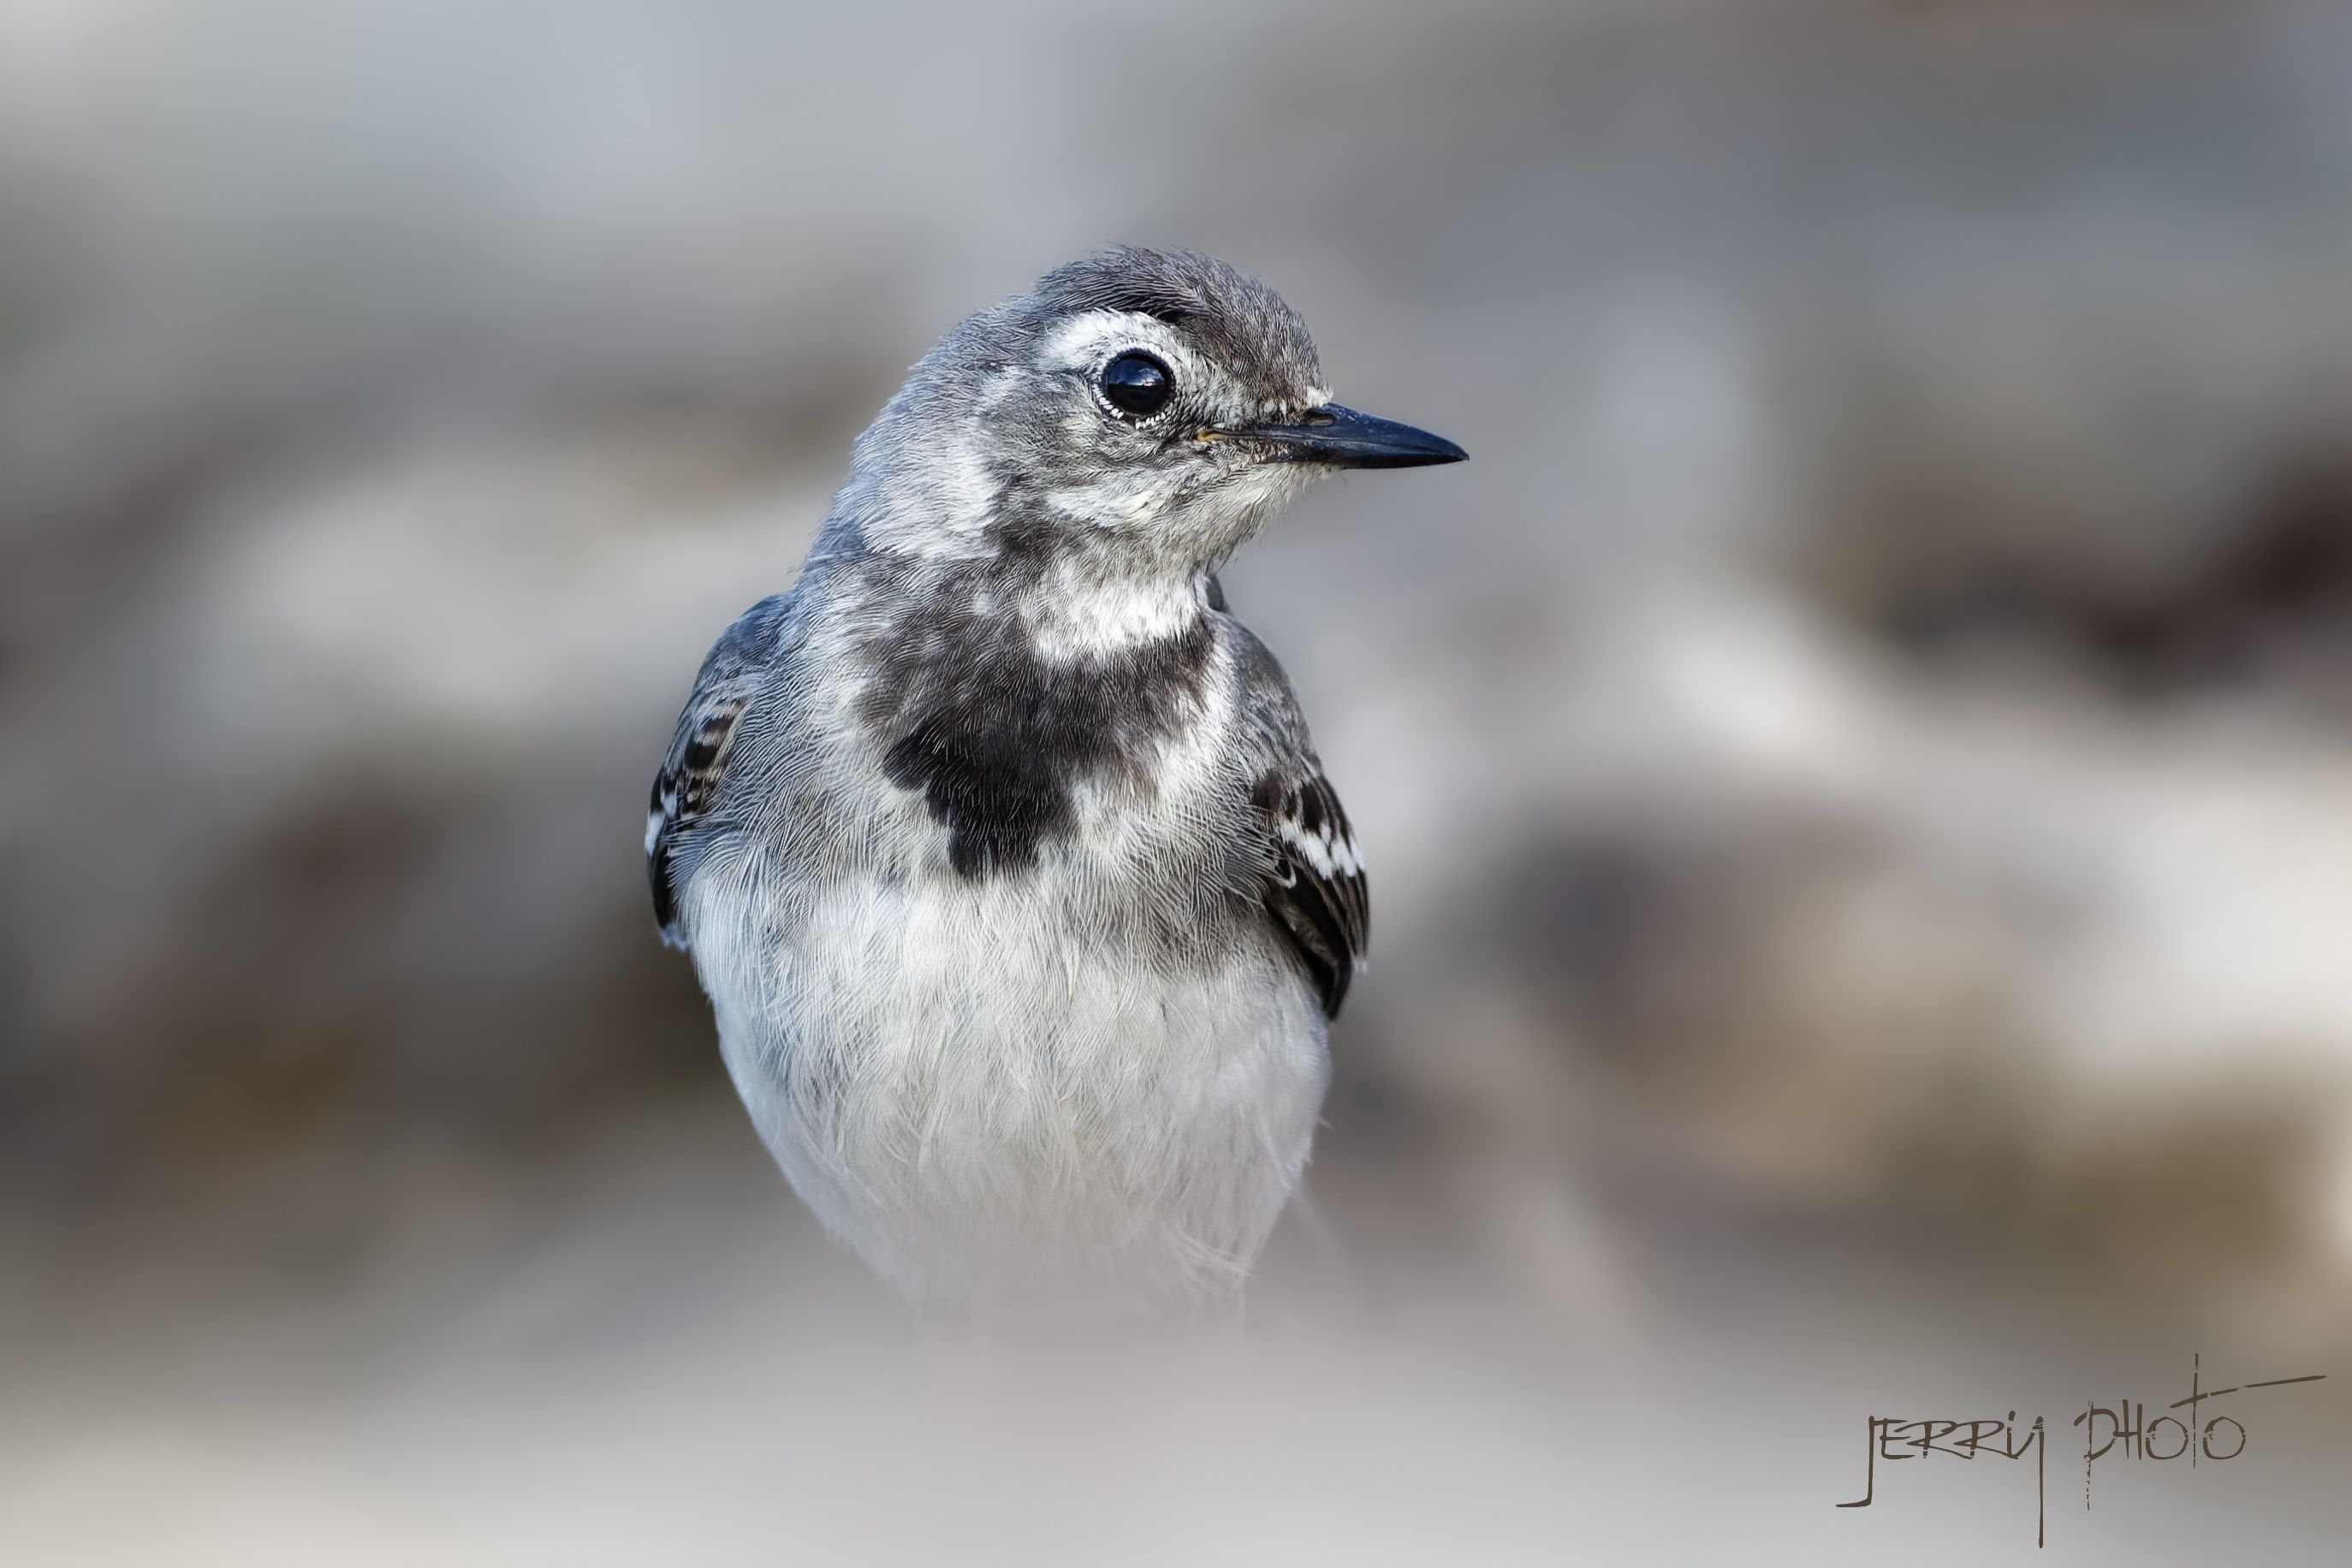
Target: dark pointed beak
{"x":1343,"y":439}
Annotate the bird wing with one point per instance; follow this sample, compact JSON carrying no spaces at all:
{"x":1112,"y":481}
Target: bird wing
{"x":1310,"y":875}
{"x":1314,"y":888}
{"x":692,"y":776}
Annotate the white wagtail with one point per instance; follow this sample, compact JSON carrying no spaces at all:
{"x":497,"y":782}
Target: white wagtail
{"x":1000,"y":846}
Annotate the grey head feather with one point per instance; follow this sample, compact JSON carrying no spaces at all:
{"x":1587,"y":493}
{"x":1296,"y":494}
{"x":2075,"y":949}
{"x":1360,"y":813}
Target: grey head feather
{"x":1002,"y":437}
{"x":1252,"y":329}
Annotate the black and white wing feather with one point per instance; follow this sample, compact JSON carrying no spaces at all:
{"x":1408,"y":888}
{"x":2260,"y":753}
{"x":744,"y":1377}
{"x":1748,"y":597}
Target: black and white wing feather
{"x":694,"y":771}
{"x":1308,"y":874}
{"x":1314,"y":888}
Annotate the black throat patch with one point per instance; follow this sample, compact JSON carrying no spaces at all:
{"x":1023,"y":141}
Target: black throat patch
{"x":996,"y":738}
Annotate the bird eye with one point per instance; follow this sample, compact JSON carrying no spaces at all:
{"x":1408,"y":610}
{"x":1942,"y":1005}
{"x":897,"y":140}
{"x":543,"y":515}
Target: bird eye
{"x":1137,"y":382}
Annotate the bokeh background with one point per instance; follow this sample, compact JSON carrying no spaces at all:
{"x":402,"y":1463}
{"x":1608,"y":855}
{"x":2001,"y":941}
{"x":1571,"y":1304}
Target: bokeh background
{"x":1858,"y":769}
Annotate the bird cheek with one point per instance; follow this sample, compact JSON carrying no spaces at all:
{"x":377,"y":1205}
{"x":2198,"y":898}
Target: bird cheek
{"x":1267,"y":487}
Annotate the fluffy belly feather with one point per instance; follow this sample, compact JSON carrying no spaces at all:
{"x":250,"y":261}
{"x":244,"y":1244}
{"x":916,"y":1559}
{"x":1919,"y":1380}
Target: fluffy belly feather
{"x":1001,"y":1107}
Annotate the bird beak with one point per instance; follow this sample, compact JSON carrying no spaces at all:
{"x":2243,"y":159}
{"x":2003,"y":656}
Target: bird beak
{"x":1342,"y":439}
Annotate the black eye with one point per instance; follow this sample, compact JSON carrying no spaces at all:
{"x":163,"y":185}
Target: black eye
{"x":1137,"y":382}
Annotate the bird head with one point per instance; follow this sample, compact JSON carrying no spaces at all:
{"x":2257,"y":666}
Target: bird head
{"x":1145,"y":408}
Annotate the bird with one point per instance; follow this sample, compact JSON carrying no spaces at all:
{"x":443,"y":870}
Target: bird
{"x":1000,"y":846}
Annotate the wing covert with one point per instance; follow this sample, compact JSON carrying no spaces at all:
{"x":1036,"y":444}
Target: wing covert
{"x":694,"y":772}
{"x":1314,"y":887}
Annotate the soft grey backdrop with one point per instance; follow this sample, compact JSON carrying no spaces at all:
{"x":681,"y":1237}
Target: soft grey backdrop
{"x":1856,"y":771}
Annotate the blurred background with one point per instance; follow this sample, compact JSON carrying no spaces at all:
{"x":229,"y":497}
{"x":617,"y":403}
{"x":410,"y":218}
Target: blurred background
{"x":1858,"y":771}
